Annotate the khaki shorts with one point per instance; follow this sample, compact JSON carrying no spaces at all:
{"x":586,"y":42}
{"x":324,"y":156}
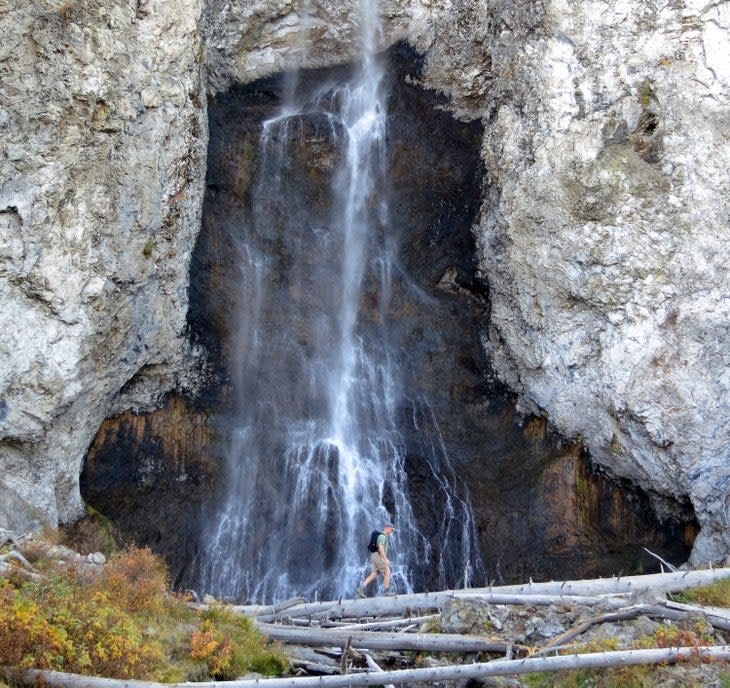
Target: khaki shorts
{"x":378,"y":563}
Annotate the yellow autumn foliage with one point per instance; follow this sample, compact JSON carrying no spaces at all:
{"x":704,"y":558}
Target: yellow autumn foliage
{"x":124,"y":623}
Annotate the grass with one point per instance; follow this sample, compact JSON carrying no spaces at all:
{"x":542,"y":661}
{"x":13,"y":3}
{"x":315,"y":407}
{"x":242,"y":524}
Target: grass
{"x":624,"y":677}
{"x":664,"y":636}
{"x":92,"y":533}
{"x":716,"y":594}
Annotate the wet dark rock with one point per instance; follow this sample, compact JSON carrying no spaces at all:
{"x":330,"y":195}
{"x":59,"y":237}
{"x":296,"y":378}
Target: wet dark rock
{"x":539,"y":509}
{"x":151,"y":475}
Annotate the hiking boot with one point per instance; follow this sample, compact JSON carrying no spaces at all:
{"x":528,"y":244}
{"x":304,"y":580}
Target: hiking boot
{"x":360,"y":592}
{"x":387,"y":593}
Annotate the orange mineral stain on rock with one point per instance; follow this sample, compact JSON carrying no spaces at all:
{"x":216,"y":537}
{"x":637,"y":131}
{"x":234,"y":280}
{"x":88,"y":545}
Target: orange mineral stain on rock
{"x":152,"y":474}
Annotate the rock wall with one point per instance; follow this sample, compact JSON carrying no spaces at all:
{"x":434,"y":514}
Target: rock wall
{"x":536,"y":507}
{"x":605,"y":211}
{"x":102,"y":119}
{"x":602,"y":235}
{"x":604,"y":240}
{"x":152,"y":475}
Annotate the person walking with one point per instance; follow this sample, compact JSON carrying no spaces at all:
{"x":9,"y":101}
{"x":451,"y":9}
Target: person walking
{"x":379,"y":562}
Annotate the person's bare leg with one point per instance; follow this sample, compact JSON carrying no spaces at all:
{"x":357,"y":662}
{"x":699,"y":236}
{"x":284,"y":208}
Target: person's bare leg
{"x":369,"y":579}
{"x":361,"y":590}
{"x":386,"y":579}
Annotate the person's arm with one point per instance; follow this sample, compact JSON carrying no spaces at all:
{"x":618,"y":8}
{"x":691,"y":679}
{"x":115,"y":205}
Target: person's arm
{"x":381,"y":549}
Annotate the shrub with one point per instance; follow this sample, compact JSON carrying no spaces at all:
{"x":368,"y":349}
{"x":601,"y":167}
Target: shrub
{"x":125,"y":624}
{"x":92,"y":533}
{"x":231,"y":646}
{"x":667,"y":635}
{"x":56,"y":625}
{"x":136,"y":579}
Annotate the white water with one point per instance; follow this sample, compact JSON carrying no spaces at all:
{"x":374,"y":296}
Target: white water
{"x":315,"y":457}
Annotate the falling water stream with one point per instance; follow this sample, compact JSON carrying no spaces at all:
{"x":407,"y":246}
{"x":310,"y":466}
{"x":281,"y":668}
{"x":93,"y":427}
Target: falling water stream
{"x":316,"y":457}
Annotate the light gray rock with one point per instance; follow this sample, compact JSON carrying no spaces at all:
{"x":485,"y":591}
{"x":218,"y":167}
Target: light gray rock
{"x":249,"y":39}
{"x":603,"y":235}
{"x":96,"y":558}
{"x":604,"y":240}
{"x":102,"y":118}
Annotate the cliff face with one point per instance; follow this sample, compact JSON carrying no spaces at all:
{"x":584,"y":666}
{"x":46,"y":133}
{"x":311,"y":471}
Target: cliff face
{"x":602,"y":234}
{"x":605,"y":211}
{"x":604,"y":240}
{"x":102,"y":119}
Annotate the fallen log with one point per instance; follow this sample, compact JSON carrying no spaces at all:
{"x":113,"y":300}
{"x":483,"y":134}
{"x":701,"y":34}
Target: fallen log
{"x":716,"y":615}
{"x":17,"y":556}
{"x":663,"y":582}
{"x":392,"y":623}
{"x":406,"y":604}
{"x":308,"y":655}
{"x":376,"y":640}
{"x":314,"y":667}
{"x":374,"y":666}
{"x":254,"y":610}
{"x":594,"y":660}
{"x":667,"y":612}
{"x":588,"y":592}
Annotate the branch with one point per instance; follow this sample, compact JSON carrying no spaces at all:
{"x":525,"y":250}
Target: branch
{"x":393,"y":623}
{"x":374,"y":666}
{"x":621,"y":615}
{"x":671,"y":567}
{"x":718,"y":617}
{"x":17,"y":556}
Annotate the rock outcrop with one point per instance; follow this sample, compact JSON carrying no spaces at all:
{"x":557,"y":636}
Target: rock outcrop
{"x":602,"y":234}
{"x":605,"y":211}
{"x":102,"y":119}
{"x":604,"y":240}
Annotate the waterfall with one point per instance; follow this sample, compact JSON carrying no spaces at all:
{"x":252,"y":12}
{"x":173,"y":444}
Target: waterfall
{"x":316,"y":457}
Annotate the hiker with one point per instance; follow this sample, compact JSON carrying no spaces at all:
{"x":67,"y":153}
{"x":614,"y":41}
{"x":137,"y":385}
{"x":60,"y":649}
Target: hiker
{"x":379,"y":562}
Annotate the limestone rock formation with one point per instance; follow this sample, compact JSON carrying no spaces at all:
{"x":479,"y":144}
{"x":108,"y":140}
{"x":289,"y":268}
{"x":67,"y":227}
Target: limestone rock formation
{"x":102,"y":119}
{"x":602,"y":234}
{"x":604,"y":229}
{"x":605,"y":211}
{"x":604,"y":240}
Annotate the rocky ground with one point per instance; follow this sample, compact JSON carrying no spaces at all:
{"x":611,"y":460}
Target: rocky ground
{"x":463,"y":627}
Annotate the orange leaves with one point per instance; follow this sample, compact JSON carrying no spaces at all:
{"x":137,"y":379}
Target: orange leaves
{"x":27,"y":637}
{"x":202,"y":645}
{"x":124,"y":624}
{"x":135,"y":579}
{"x":673,"y":636}
{"x":210,"y":645}
{"x":56,"y":624}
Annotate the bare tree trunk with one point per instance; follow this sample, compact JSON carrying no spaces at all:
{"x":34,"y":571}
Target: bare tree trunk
{"x":392,"y":623}
{"x":596,"y":660}
{"x":374,"y":640}
{"x":554,"y":592}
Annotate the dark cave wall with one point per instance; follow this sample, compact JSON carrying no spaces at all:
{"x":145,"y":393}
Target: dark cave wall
{"x":540,"y":510}
{"x":151,"y":476}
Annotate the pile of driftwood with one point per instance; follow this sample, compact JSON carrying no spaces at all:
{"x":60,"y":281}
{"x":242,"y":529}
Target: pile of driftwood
{"x":349,"y":636}
{"x":374,"y":641}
